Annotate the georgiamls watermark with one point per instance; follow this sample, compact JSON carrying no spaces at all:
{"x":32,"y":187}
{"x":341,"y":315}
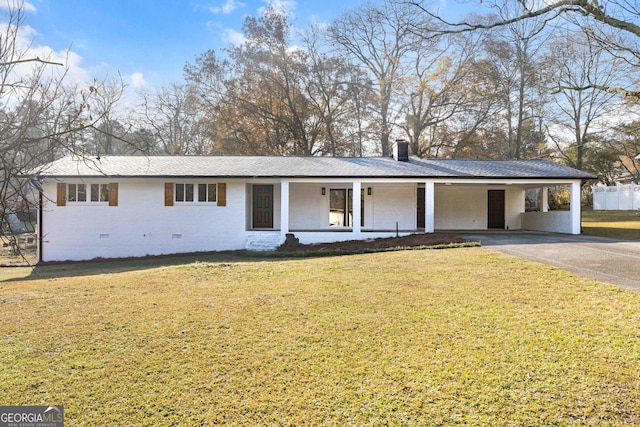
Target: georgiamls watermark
{"x":31,"y":416}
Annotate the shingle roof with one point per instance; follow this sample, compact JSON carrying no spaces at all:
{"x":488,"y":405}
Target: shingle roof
{"x":303,"y":167}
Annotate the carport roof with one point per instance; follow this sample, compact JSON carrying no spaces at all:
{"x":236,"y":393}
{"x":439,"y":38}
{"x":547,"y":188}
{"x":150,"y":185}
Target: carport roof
{"x":302,"y":167}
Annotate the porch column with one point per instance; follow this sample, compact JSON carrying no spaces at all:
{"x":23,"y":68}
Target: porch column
{"x":544,"y":199}
{"x":429,"y":207}
{"x":575,"y":207}
{"x":357,"y":205}
{"x":284,"y":209}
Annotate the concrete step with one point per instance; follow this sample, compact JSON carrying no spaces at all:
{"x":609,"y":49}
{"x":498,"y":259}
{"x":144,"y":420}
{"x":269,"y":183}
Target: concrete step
{"x":263,"y":242}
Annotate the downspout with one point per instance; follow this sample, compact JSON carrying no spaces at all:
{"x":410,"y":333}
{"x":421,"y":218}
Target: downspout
{"x":40,"y":237}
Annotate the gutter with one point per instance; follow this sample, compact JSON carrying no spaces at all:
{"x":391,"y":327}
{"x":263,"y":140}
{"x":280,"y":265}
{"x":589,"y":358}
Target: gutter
{"x":420,"y":177}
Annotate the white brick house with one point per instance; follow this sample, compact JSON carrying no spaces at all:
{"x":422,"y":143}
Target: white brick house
{"x":129,"y":206}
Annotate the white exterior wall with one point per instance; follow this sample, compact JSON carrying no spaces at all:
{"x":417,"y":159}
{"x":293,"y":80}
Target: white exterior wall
{"x":140,"y":225}
{"x":552,"y":222}
{"x":307,"y":237}
{"x":465,"y":207}
{"x":514,"y":204}
{"x":309,"y":209}
{"x":390,"y":204}
{"x":460,"y":208}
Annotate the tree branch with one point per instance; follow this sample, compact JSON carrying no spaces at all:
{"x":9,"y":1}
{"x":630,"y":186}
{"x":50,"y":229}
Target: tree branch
{"x":624,"y":92}
{"x":584,"y":7}
{"x":36,"y":59}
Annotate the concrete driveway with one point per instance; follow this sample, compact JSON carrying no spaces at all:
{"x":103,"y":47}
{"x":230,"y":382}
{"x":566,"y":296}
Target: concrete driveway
{"x":606,"y":260}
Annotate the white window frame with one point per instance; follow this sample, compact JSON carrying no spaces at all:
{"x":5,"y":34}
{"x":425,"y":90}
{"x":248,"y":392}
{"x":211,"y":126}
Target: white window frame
{"x":180,"y":189}
{"x":74,"y":196}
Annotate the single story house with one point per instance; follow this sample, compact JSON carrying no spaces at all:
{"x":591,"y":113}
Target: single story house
{"x":129,"y":206}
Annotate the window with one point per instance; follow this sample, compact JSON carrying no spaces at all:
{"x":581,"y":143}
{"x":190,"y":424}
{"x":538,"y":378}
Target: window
{"x":99,"y":192}
{"x":78,"y":193}
{"x":184,"y":192}
{"x":207,"y":192}
{"x":187,"y":192}
{"x":87,"y":193}
{"x":338,"y":208}
{"x":195,"y":193}
{"x":341,"y":207}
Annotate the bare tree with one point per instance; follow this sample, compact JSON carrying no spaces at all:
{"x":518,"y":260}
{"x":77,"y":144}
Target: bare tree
{"x":516,"y":49}
{"x":578,"y":64}
{"x":176,"y":121}
{"x":258,"y":95}
{"x":41,"y":118}
{"x":378,"y":38}
{"x":435,"y":91}
{"x":331,"y":93}
{"x":624,"y":139}
{"x":612,"y":25}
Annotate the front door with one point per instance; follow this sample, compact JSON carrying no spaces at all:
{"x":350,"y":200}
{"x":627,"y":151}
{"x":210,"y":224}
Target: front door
{"x":496,"y":209}
{"x":263,"y":206}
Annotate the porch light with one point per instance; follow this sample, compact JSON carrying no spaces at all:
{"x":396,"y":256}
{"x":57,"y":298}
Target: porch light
{"x":324,"y":191}
{"x":368,"y":191}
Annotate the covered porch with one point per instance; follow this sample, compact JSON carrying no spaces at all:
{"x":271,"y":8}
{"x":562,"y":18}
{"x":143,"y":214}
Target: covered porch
{"x":330,"y":211}
{"x":325,"y":210}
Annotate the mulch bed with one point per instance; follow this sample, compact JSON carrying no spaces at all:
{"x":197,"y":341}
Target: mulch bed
{"x":412,"y":240}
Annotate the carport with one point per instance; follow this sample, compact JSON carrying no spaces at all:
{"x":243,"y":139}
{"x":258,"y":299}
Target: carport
{"x":499,"y":204}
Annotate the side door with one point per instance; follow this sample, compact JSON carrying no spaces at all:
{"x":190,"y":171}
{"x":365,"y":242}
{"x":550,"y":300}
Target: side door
{"x":496,"y":205}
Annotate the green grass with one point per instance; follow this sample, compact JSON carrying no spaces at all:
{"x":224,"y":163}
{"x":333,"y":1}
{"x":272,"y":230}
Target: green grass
{"x":615,"y":224}
{"x":450,"y":337}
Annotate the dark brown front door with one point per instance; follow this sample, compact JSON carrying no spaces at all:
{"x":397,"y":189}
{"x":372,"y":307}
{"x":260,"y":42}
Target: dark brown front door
{"x":263,"y":206}
{"x":421,"y":207}
{"x":496,"y":209}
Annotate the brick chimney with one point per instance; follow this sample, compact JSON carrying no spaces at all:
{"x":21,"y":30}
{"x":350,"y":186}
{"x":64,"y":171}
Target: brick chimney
{"x":401,"y":150}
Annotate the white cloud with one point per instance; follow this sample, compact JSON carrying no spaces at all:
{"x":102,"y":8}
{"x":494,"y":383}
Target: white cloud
{"x":287,"y":6}
{"x":71,"y":68}
{"x":233,"y":37}
{"x":15,"y":4}
{"x":227,"y":8}
{"x":137,"y":81}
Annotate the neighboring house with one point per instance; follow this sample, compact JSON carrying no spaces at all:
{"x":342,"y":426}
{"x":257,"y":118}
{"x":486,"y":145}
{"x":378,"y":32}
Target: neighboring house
{"x":135,"y":206}
{"x":22,"y":222}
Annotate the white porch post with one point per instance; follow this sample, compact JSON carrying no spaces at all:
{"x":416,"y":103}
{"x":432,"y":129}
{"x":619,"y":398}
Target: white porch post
{"x":356,"y":208}
{"x":575,"y":207}
{"x":429,"y":207}
{"x":544,"y":199}
{"x":284,"y":209}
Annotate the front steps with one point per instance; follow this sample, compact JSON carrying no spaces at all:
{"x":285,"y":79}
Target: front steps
{"x":264,"y":241}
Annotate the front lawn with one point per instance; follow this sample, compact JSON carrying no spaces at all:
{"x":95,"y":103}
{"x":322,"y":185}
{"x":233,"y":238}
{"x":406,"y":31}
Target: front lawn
{"x":615,"y":224}
{"x":428,"y":337}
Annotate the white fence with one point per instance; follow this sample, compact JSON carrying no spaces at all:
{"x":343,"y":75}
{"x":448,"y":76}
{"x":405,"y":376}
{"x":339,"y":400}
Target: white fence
{"x":616,"y":198}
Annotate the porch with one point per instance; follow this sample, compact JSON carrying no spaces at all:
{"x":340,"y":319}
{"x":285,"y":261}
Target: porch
{"x":319,"y":211}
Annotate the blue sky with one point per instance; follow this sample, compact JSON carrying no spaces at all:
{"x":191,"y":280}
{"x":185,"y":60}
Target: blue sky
{"x":149,"y":41}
